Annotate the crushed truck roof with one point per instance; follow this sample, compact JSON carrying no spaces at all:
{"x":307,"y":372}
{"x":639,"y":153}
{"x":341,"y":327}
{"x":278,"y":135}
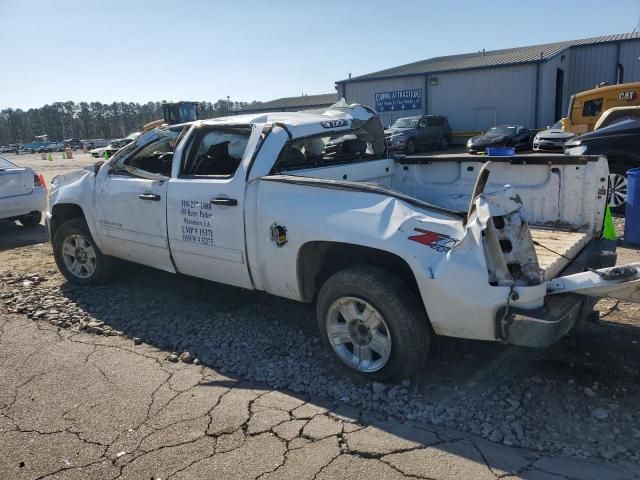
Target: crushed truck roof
{"x":338,"y":111}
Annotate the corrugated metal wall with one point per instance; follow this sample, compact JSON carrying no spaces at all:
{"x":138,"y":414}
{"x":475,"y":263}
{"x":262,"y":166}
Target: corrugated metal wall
{"x":364,"y":93}
{"x":630,"y":59}
{"x":479,"y":99}
{"x":548,"y":75}
{"x":591,"y":65}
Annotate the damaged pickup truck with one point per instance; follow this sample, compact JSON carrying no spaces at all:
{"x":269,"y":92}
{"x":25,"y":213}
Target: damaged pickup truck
{"x":309,"y":206}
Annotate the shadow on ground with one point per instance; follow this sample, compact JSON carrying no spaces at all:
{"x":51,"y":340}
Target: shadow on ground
{"x":13,"y":235}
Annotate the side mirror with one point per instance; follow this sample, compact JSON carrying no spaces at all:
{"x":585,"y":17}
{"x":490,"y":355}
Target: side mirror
{"x":548,"y":127}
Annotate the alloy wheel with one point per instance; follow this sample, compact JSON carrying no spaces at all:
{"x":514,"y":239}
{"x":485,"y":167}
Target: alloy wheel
{"x":79,"y":256}
{"x":617,"y":190}
{"x":358,"y":334}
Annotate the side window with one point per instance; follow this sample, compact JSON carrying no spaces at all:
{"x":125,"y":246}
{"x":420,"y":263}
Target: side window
{"x":422,"y":123}
{"x":591,"y":108}
{"x":217,"y":152}
{"x":436,"y":121}
{"x":157,"y":156}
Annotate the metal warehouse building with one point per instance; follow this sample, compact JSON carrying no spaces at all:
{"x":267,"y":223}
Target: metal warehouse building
{"x":527,"y":85}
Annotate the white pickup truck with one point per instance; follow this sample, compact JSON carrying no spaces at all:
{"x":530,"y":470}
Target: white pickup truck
{"x":309,"y":206}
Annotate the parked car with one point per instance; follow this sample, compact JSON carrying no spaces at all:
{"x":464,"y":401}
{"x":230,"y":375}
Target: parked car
{"x":393,"y":251}
{"x":410,"y":133}
{"x":23,"y":194}
{"x":515,"y":136}
{"x":552,"y":139}
{"x":620,"y":143}
{"x":73,"y":143}
{"x":114,"y":145}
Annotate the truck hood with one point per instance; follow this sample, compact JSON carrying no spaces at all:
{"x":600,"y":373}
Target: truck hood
{"x":399,"y":131}
{"x":487,"y":140}
{"x":555,"y":134}
{"x":74,"y":176}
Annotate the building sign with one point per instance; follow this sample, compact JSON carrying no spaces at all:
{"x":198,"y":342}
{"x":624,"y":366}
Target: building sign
{"x":399,"y":100}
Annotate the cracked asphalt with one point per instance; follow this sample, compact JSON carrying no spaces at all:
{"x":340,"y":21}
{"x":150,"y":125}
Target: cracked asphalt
{"x":81,"y":406}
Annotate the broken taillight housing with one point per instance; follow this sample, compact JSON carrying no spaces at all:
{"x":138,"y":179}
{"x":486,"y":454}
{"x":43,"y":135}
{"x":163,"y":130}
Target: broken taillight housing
{"x":38,"y":181}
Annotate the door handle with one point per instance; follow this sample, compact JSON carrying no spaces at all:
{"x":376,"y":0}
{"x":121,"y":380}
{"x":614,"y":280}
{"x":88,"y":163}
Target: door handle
{"x":149,"y":196}
{"x":229,"y":202}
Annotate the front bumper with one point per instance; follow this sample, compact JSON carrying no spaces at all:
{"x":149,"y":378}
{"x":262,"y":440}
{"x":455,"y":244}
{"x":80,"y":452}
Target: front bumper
{"x":396,"y":144}
{"x":560,"y":313}
{"x":548,"y":145}
{"x":475,"y":149}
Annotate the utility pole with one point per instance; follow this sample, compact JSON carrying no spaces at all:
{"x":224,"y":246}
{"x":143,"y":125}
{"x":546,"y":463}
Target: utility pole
{"x":228,"y":104}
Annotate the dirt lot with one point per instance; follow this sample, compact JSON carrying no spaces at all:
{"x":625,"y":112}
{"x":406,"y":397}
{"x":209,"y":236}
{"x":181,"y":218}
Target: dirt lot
{"x":580,"y":397}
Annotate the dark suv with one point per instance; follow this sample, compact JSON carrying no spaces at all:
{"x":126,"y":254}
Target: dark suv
{"x":410,"y":133}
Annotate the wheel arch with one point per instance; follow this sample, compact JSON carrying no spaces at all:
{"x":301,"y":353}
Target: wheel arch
{"x":318,"y":260}
{"x":63,"y":212}
{"x":620,"y":162}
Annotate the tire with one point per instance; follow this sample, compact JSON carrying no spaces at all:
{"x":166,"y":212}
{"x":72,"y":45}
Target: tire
{"x":93,"y":267}
{"x":410,"y":148}
{"x":394,"y":318}
{"x":31,"y":220}
{"x":617,"y":190}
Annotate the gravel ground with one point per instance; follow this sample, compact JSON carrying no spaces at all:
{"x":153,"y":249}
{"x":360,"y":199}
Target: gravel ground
{"x":580,"y":397}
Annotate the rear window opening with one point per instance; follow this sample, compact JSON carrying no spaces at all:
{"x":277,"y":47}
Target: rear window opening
{"x":362,"y":144}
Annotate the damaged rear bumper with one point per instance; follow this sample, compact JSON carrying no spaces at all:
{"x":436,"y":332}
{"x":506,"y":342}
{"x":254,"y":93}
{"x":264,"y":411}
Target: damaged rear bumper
{"x":560,"y":313}
{"x":545,"y":325}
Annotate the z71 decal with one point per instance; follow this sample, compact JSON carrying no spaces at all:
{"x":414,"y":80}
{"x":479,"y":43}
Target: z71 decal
{"x":438,"y":241}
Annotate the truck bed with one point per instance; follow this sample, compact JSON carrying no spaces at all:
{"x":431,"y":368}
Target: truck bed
{"x":557,"y":243}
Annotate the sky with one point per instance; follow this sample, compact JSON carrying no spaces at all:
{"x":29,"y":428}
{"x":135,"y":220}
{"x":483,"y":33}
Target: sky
{"x":152,"y":50}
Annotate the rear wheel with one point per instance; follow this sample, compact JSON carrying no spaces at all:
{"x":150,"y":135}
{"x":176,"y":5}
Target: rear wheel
{"x":31,"y":219}
{"x":373,"y":323}
{"x":78,"y":257}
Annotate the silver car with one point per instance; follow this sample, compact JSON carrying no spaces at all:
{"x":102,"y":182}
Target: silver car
{"x":552,"y":139}
{"x":23,"y":194}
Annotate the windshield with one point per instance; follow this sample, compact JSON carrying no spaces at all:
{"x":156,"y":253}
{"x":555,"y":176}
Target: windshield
{"x":405,"y":123}
{"x":142,"y":140}
{"x":501,"y":130}
{"x":557,"y":125}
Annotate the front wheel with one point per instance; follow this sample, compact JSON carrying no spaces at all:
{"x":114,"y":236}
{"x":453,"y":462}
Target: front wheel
{"x":78,"y":257}
{"x":373,"y":323}
{"x":617,"y":192}
{"x":410,"y":148}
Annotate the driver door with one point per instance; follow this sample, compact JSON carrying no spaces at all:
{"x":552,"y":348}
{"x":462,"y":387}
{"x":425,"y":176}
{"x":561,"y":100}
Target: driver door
{"x":130,"y":208}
